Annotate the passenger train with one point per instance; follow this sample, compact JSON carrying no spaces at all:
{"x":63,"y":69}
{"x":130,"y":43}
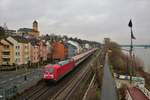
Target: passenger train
{"x":56,"y":71}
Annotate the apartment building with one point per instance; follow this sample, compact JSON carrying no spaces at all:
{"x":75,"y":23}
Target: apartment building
{"x":21,"y":48}
{"x":43,"y":51}
{"x":6,"y":53}
{"x":35,"y":52}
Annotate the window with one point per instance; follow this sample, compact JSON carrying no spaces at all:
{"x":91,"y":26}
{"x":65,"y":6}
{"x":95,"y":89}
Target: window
{"x":17,"y":47}
{"x":50,"y":70}
{"x":17,"y":53}
{"x":61,"y":63}
{"x":26,"y":46}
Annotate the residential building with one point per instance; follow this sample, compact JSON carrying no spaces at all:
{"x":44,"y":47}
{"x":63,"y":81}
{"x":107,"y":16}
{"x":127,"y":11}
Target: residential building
{"x":59,"y":51}
{"x":43,"y":51}
{"x":21,"y":48}
{"x":6,"y":53}
{"x":1,"y":49}
{"x":10,"y":32}
{"x":35,"y":52}
{"x":77,"y":45}
{"x":72,"y":50}
{"x":49,"y":48}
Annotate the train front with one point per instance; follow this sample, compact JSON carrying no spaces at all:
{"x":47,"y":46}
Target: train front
{"x":49,"y":73}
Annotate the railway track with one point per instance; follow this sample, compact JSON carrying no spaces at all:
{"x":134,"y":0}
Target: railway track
{"x":45,"y":91}
{"x":68,"y":89}
{"x":33,"y":91}
{"x":36,"y":94}
{"x":66,"y":92}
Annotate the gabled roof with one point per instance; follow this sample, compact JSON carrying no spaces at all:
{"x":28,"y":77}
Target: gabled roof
{"x":25,"y":30}
{"x":76,"y":44}
{"x":9,"y":42}
{"x":20,"y":39}
{"x":69,"y":44}
{"x":6,"y":41}
{"x":33,"y":41}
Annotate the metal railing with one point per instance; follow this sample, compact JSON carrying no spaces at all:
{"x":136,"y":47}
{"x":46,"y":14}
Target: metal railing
{"x":128,"y":96}
{"x":5,"y":56}
{"x":6,"y":50}
{"x":145,"y":91}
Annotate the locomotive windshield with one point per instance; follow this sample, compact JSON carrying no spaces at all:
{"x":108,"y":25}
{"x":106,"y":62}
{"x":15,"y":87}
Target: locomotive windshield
{"x":50,"y":70}
{"x":61,"y":63}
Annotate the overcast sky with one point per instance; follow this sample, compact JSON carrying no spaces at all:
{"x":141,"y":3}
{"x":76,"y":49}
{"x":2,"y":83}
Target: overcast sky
{"x":85,"y":19}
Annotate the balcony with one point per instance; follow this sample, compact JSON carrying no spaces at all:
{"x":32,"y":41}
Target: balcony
{"x":6,"y":50}
{"x":6,"y":56}
{"x":5,"y":63}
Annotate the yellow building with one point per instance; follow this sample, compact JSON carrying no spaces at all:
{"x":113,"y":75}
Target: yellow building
{"x":1,"y":48}
{"x":33,"y":32}
{"x":6,"y":52}
{"x":21,"y":48}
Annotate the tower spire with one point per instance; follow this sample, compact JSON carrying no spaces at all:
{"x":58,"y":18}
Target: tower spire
{"x":35,"y":25}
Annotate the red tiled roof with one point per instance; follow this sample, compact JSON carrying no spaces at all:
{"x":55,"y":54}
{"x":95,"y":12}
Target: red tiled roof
{"x":136,"y":94}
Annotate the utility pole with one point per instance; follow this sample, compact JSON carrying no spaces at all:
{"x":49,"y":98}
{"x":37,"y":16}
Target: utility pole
{"x":131,"y":67}
{"x":131,"y":49}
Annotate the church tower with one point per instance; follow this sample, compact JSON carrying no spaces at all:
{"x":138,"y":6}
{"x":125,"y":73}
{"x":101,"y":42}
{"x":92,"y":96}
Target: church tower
{"x":35,"y":31}
{"x":35,"y":25}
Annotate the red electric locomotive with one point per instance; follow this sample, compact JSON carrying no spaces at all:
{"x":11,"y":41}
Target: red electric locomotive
{"x":57,"y":71}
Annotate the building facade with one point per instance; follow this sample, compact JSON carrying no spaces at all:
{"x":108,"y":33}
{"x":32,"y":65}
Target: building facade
{"x":34,"y":53}
{"x":49,"y":49}
{"x":72,"y":50}
{"x":59,"y":51}
{"x":21,"y":49}
{"x":43,"y":51}
{"x":6,"y":53}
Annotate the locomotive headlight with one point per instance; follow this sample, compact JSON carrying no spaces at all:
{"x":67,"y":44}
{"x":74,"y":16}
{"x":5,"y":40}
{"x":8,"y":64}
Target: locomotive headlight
{"x":52,"y":76}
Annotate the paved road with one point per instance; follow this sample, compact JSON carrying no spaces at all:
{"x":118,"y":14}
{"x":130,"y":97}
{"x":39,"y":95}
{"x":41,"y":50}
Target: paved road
{"x":108,"y":85}
{"x":7,"y":78}
{"x":12,"y":81}
{"x":6,"y":75}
